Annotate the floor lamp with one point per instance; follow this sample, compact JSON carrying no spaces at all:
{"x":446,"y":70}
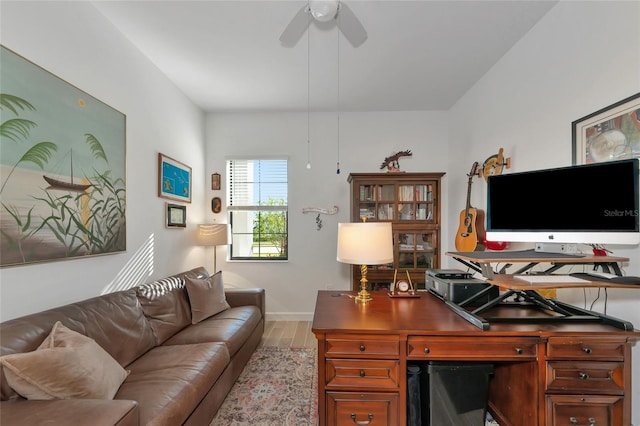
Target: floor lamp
{"x":365,"y":243}
{"x":213,"y":235}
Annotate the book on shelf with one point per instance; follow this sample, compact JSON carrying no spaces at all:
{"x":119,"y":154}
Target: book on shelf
{"x":411,"y":247}
{"x":405,"y":193}
{"x":368,"y":213}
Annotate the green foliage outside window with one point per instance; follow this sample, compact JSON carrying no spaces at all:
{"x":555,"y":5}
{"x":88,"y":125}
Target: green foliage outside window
{"x":270,"y":229}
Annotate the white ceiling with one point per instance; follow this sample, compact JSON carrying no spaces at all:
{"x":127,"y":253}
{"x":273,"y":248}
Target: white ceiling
{"x":419,"y":55}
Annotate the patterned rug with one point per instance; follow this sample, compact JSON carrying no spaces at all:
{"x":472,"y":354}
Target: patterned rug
{"x":278,"y":386}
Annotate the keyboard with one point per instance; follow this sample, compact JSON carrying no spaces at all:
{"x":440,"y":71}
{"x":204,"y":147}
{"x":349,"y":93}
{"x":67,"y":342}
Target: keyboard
{"x":549,"y":279}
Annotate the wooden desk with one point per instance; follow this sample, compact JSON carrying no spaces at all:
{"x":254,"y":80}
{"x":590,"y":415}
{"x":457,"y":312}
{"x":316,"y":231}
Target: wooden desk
{"x":544,"y":374}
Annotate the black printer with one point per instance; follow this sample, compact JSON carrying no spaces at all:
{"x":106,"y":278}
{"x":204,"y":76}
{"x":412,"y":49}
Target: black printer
{"x":456,"y":286}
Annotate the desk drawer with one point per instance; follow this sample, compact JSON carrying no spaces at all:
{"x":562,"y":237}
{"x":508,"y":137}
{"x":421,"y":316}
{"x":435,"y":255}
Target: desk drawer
{"x":584,"y":348}
{"x":576,"y":410}
{"x":470,"y":348}
{"x":371,"y":409}
{"x":351,"y":373}
{"x":586,"y":377}
{"x":379,"y":346}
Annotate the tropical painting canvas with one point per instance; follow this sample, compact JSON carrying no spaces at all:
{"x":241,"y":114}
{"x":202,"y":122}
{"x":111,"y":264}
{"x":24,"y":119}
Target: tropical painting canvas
{"x":62,"y":168}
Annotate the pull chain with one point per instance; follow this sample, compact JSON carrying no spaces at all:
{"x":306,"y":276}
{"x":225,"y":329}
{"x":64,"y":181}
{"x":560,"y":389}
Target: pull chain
{"x":308,"y":99}
{"x":338,"y":161}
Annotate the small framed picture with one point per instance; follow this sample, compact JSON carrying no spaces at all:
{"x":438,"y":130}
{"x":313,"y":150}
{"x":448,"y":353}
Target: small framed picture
{"x":216,"y":205}
{"x":609,"y":134}
{"x":215,"y":181}
{"x":176,"y":216}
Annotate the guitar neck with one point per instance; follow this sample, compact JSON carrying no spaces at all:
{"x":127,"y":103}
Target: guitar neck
{"x":468,"y":206}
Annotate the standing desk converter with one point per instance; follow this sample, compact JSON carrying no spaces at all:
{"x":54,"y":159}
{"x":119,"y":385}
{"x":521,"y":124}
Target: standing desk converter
{"x":545,"y":374}
{"x":481,"y":261}
{"x":549,"y":310}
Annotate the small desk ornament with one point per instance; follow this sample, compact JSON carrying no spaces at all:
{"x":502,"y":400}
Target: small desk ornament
{"x":403,"y":288}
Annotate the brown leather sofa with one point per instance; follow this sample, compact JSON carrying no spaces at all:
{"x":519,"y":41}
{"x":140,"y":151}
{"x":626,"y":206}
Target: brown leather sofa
{"x":179,"y":372}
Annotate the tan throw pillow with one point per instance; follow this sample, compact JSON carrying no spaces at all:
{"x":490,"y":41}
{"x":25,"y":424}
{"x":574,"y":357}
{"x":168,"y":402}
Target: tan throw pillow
{"x":67,"y":365}
{"x":206,"y":297}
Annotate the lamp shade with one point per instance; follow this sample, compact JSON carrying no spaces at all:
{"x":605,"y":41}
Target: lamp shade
{"x":213,"y":234}
{"x":365,"y":243}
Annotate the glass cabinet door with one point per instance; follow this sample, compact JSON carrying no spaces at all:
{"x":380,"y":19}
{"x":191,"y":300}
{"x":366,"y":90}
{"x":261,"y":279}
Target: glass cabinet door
{"x":415,"y":202}
{"x":416,"y":250}
{"x":377,"y":202}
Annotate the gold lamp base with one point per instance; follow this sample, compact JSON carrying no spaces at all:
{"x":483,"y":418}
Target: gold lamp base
{"x":363,"y":295}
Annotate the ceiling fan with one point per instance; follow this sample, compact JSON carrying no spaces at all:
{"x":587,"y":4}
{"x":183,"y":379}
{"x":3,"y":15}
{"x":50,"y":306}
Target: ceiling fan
{"x":324,"y":11}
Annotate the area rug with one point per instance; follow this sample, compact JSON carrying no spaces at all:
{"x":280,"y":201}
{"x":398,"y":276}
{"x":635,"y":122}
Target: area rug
{"x":278,"y":387}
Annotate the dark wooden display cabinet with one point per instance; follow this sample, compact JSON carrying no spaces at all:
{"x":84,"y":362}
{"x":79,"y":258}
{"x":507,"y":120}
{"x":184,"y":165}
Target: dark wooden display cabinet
{"x":411,"y":202}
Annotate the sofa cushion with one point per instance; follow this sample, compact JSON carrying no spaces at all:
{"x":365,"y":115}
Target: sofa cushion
{"x":166,"y":306}
{"x":70,"y":412}
{"x":115,"y":321}
{"x":170,"y":381}
{"x":206,"y":296}
{"x":67,"y":365}
{"x":232,"y":327}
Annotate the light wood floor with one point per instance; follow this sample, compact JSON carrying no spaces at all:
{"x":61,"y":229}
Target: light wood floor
{"x":294,"y":334}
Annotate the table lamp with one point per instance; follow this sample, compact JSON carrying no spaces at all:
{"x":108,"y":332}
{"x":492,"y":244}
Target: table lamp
{"x":365,"y":243}
{"x":213,"y":235}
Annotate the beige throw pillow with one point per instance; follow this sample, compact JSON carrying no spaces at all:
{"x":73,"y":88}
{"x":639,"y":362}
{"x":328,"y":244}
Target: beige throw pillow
{"x":67,"y":365}
{"x":206,"y":296}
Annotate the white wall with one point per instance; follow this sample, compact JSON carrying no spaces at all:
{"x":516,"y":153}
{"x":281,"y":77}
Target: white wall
{"x":582,"y":56}
{"x":73,"y":41}
{"x":365,"y":140}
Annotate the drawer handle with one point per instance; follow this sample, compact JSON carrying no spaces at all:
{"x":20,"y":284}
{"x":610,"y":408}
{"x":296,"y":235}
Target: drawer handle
{"x":583,"y":375}
{"x":362,"y":348}
{"x":362,"y":373}
{"x":574,"y":421}
{"x":426,"y":350}
{"x":519,"y":351}
{"x":361,"y":422}
{"x":586,"y":350}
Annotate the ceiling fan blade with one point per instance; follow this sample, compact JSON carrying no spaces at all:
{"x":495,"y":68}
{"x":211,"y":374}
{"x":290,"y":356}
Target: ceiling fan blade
{"x":351,"y":26}
{"x":296,"y":27}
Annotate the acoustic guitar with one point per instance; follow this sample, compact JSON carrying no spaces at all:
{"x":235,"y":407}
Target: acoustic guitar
{"x":470,"y":235}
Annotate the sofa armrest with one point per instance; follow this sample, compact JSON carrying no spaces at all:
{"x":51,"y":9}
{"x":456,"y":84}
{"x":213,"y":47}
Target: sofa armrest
{"x":69,"y":412}
{"x":246,"y":296}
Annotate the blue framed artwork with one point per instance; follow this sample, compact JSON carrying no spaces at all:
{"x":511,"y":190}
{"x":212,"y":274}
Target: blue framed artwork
{"x":62,"y":168}
{"x":174,"y":180}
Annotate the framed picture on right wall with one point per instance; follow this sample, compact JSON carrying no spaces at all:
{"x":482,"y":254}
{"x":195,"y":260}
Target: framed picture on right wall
{"x":609,"y":134}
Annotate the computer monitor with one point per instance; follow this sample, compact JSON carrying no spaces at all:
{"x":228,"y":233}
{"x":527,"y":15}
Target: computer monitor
{"x":596,"y":203}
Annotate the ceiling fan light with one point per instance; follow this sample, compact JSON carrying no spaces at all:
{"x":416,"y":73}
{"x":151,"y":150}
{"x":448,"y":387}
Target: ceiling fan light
{"x":323,"y":10}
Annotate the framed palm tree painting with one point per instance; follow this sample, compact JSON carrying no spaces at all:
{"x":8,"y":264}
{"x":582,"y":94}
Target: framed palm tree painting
{"x":62,"y":168}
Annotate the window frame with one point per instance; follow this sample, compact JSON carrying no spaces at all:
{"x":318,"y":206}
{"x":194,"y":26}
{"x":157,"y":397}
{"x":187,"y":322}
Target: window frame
{"x":257,"y":210}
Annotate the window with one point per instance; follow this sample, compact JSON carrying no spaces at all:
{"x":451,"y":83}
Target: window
{"x":258,"y":212}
